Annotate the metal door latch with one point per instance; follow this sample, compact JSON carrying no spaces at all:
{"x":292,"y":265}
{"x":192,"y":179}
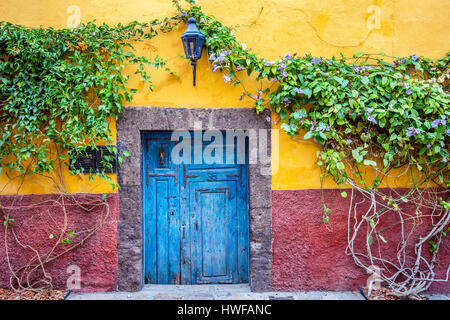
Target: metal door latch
{"x":162,"y":155}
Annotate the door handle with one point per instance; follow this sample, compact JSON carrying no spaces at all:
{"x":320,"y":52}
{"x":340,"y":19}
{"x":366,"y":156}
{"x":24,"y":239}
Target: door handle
{"x":162,"y":155}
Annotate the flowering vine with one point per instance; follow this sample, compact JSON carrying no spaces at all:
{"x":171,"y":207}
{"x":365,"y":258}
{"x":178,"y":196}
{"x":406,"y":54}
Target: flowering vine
{"x":368,"y":113}
{"x":397,"y":108}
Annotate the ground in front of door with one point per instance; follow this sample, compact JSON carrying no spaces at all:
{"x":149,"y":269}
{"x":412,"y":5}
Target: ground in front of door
{"x":222,"y":292}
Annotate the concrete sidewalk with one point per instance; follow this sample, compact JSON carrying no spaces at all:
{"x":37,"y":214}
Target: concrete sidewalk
{"x":221,"y":292}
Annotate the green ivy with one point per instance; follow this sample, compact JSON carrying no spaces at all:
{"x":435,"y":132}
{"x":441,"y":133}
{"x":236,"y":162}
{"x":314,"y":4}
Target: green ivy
{"x":360,"y":110}
{"x":59,"y":88}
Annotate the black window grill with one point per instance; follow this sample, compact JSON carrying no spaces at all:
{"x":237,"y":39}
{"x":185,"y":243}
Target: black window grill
{"x":90,"y":160}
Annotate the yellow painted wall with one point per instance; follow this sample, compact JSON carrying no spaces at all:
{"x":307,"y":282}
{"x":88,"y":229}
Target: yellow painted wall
{"x":272,"y":29}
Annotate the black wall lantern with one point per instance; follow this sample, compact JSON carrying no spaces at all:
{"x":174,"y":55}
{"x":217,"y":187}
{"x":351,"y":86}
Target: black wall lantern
{"x":193,"y":41}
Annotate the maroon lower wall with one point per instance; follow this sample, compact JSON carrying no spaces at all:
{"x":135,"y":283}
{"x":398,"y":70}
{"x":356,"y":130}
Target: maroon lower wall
{"x":39,"y":215}
{"x":308,"y":256}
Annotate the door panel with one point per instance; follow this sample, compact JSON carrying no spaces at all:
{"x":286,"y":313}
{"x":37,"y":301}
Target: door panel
{"x":195,"y":216}
{"x":213,"y":225}
{"x":161,"y":212}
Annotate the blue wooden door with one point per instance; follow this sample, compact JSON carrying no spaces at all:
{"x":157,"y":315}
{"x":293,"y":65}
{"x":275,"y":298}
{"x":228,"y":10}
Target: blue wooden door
{"x":195,"y":215}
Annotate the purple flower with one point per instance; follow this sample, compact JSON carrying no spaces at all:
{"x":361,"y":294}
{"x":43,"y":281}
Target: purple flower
{"x":403,"y":60}
{"x":372,"y":119}
{"x":268,"y":63}
{"x":239,"y":68}
{"x":212,"y":58}
{"x":268,"y":119}
{"x":316,"y":60}
{"x":435,"y":123}
{"x":226,"y":78}
{"x":298,"y":91}
{"x":284,"y":74}
{"x":428,"y":145}
{"x":215,"y":67}
{"x":364,"y":68}
{"x":225,"y":53}
{"x":258,"y":96}
{"x":414,"y":57}
{"x":348,"y":141}
{"x":221,"y":59}
{"x":448,"y":131}
{"x":287,"y":56}
{"x":282,"y":66}
{"x":408,"y":92}
{"x":184,"y":14}
{"x":412,"y":132}
{"x":286,"y":100}
{"x":356,"y":69}
{"x":202,"y":20}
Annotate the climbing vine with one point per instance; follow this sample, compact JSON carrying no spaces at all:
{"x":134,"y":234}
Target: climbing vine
{"x":362,"y":106}
{"x":375,"y":117}
{"x":59,"y":90}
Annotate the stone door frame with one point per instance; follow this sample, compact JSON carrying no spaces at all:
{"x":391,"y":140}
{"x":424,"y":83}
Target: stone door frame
{"x":130,"y":126}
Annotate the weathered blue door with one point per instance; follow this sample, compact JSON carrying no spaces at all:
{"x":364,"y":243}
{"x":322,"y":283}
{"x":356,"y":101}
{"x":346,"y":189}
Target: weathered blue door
{"x":195,"y":212}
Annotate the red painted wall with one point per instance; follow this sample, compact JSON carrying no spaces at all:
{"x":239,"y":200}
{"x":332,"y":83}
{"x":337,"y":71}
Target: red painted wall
{"x":307,"y":256}
{"x":39,"y":215}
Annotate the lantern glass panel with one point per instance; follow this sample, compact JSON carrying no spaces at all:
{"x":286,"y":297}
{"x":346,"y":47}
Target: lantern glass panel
{"x":192,"y":48}
{"x":185,"y":45}
{"x":201,"y":42}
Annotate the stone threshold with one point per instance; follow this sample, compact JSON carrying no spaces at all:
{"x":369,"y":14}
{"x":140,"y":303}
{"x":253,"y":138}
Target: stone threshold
{"x":213,"y":292}
{"x":222,"y":292}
